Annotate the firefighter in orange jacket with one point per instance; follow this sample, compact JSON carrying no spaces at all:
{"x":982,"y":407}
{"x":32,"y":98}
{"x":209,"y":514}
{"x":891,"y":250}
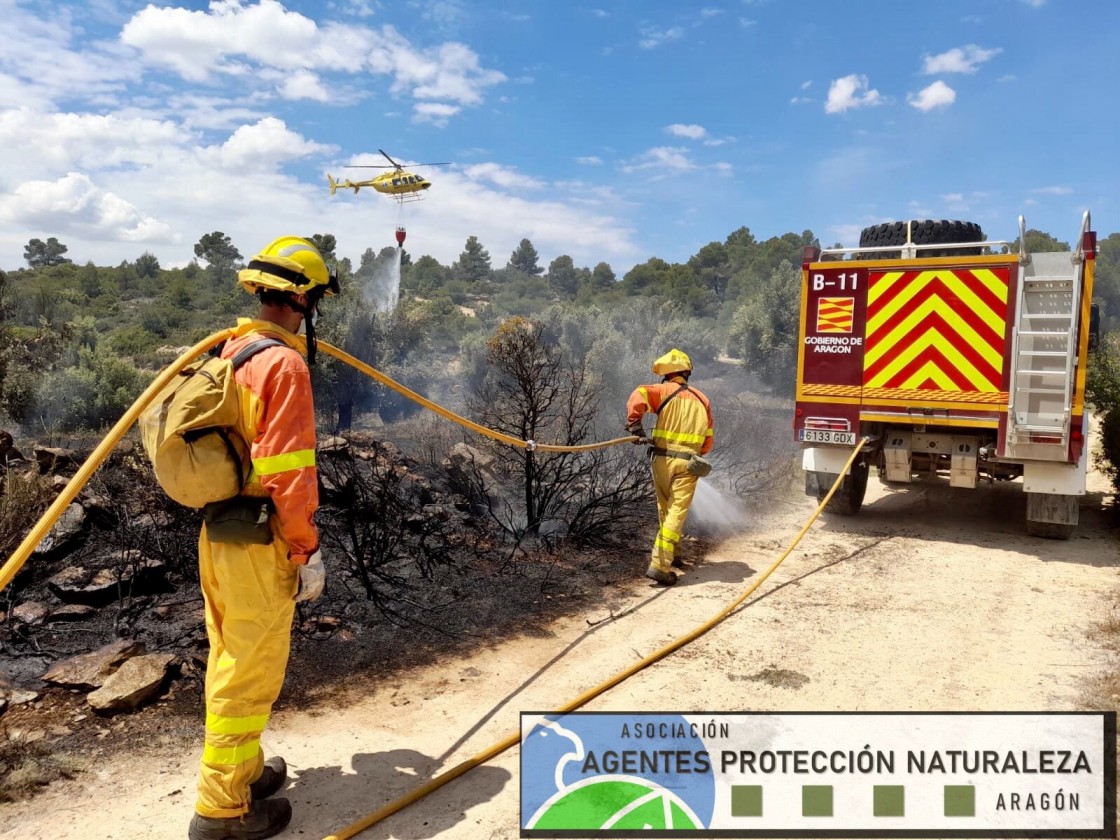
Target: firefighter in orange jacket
{"x":251,"y":589}
{"x":683,"y":429}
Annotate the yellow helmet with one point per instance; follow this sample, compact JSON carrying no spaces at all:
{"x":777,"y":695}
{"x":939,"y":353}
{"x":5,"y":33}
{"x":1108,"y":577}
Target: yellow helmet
{"x":288,"y":264}
{"x":674,"y":361}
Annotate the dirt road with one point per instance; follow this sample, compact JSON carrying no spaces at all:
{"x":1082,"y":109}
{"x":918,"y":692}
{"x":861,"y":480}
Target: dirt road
{"x":932,"y":599}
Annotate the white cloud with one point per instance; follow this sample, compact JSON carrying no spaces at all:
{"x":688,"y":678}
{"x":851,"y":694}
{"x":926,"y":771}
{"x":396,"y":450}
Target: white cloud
{"x":651,"y":37}
{"x":669,"y":160}
{"x":590,"y":160}
{"x":801,"y":100}
{"x":851,"y":92}
{"x":692,"y":132}
{"x":1053,"y":190}
{"x":252,"y":43}
{"x":807,"y":84}
{"x":747,"y":23}
{"x":39,"y":64}
{"x":937,"y":95}
{"x":303,"y":84}
{"x":74,"y":204}
{"x":54,"y":141}
{"x":506,"y":177}
{"x":674,"y":158}
{"x":264,"y":145}
{"x":710,"y":12}
{"x":437,"y":113}
{"x":1035,"y":4}
{"x":964,"y":59}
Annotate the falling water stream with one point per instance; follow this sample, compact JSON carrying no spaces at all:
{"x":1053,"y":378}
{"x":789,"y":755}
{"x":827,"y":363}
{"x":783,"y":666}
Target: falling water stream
{"x":384,"y":288}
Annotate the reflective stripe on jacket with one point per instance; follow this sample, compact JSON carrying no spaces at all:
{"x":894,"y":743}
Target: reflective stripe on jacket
{"x":278,"y":418}
{"x":686,"y":422}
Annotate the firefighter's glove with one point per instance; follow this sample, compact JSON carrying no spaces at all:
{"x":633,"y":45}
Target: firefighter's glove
{"x":312,"y":577}
{"x":636,"y":429}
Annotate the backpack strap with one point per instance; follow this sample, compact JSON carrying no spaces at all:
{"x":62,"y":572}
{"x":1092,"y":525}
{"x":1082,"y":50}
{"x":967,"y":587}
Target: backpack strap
{"x":669,"y":398}
{"x":252,"y":348}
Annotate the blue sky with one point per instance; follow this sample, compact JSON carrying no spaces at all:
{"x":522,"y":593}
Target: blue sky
{"x":607,"y":131}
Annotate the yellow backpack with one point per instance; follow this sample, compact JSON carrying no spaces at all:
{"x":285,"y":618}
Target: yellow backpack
{"x":189,"y":431}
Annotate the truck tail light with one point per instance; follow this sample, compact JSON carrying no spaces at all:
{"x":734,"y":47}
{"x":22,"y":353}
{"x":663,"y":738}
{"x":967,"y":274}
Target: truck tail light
{"x":832,"y":424}
{"x":1046,"y":439}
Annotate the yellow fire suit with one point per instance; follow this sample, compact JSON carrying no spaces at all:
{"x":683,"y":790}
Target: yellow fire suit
{"x":249,"y":590}
{"x":684,"y":427}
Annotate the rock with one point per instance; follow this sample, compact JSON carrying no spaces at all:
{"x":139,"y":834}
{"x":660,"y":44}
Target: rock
{"x":90,"y":670}
{"x":437,"y":512}
{"x":135,"y":683}
{"x":8,"y":451}
{"x":58,"y":483}
{"x":20,"y":697}
{"x":334,"y":445}
{"x":100,"y":511}
{"x":134,"y":575}
{"x":30,"y":612}
{"x":60,"y":731}
{"x":52,"y":459}
{"x":66,"y":533}
{"x":469,"y":467}
{"x":71,"y":612}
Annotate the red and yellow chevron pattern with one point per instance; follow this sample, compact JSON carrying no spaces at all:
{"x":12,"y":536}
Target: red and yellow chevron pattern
{"x":936,"y":330}
{"x":834,"y":315}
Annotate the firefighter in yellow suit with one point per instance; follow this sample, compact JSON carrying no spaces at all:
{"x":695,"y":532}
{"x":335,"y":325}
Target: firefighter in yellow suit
{"x":684,"y":429}
{"x":251,"y":589}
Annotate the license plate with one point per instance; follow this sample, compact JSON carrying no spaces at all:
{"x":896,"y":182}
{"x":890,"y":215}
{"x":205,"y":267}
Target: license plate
{"x":826,"y":436}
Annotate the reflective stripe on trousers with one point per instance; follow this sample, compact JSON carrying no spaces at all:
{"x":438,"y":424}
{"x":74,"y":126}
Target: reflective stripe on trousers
{"x":249,"y":592}
{"x":675,"y":487}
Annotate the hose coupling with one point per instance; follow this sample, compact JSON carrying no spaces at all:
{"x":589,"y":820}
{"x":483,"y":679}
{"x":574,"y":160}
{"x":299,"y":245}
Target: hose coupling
{"x":531,"y":445}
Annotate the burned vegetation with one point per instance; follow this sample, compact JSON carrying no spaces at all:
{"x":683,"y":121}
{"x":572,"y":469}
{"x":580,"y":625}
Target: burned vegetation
{"x":106,"y":616}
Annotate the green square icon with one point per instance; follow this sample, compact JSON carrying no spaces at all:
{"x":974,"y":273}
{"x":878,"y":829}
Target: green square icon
{"x":960,"y":801}
{"x":816,"y":800}
{"x":746,"y":800}
{"x":889,"y":801}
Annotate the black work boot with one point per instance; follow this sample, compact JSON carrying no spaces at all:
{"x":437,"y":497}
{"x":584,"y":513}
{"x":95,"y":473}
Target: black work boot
{"x":663,"y":578}
{"x":266,"y":818}
{"x":678,"y":563}
{"x":273,"y":777}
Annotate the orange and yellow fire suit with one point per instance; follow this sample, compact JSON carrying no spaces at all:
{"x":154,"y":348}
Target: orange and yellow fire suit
{"x":683,"y":428}
{"x":249,"y":590}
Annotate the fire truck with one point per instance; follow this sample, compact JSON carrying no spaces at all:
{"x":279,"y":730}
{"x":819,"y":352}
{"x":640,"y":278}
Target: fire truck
{"x":955,"y":357}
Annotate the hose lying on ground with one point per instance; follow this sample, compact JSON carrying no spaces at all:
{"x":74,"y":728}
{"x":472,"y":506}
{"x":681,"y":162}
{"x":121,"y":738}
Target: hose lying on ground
{"x":501,"y":746}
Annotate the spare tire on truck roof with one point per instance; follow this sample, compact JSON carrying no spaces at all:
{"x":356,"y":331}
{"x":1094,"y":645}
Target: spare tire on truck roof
{"x":922,"y":232}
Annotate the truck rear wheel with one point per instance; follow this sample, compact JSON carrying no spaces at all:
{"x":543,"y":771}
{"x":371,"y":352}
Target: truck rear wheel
{"x":922,"y":232}
{"x":848,"y":498}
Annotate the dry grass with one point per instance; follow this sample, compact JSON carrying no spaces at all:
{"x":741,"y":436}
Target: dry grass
{"x":25,"y":495}
{"x":25,"y":767}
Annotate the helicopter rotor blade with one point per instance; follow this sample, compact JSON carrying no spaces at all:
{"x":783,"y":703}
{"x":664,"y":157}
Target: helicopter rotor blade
{"x":383,"y":152}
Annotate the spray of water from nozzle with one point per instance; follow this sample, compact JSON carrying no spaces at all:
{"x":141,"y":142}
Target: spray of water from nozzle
{"x":715,"y":512}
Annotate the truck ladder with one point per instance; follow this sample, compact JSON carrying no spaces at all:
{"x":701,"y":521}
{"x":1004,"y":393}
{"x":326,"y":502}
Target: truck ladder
{"x":1044,"y":353}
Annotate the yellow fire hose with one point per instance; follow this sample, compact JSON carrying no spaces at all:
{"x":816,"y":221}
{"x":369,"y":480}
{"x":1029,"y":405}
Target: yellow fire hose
{"x":14,"y":563}
{"x":503,"y":745}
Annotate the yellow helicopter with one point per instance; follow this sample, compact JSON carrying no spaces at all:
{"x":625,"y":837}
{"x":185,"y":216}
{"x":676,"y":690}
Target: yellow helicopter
{"x":401,"y":185}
